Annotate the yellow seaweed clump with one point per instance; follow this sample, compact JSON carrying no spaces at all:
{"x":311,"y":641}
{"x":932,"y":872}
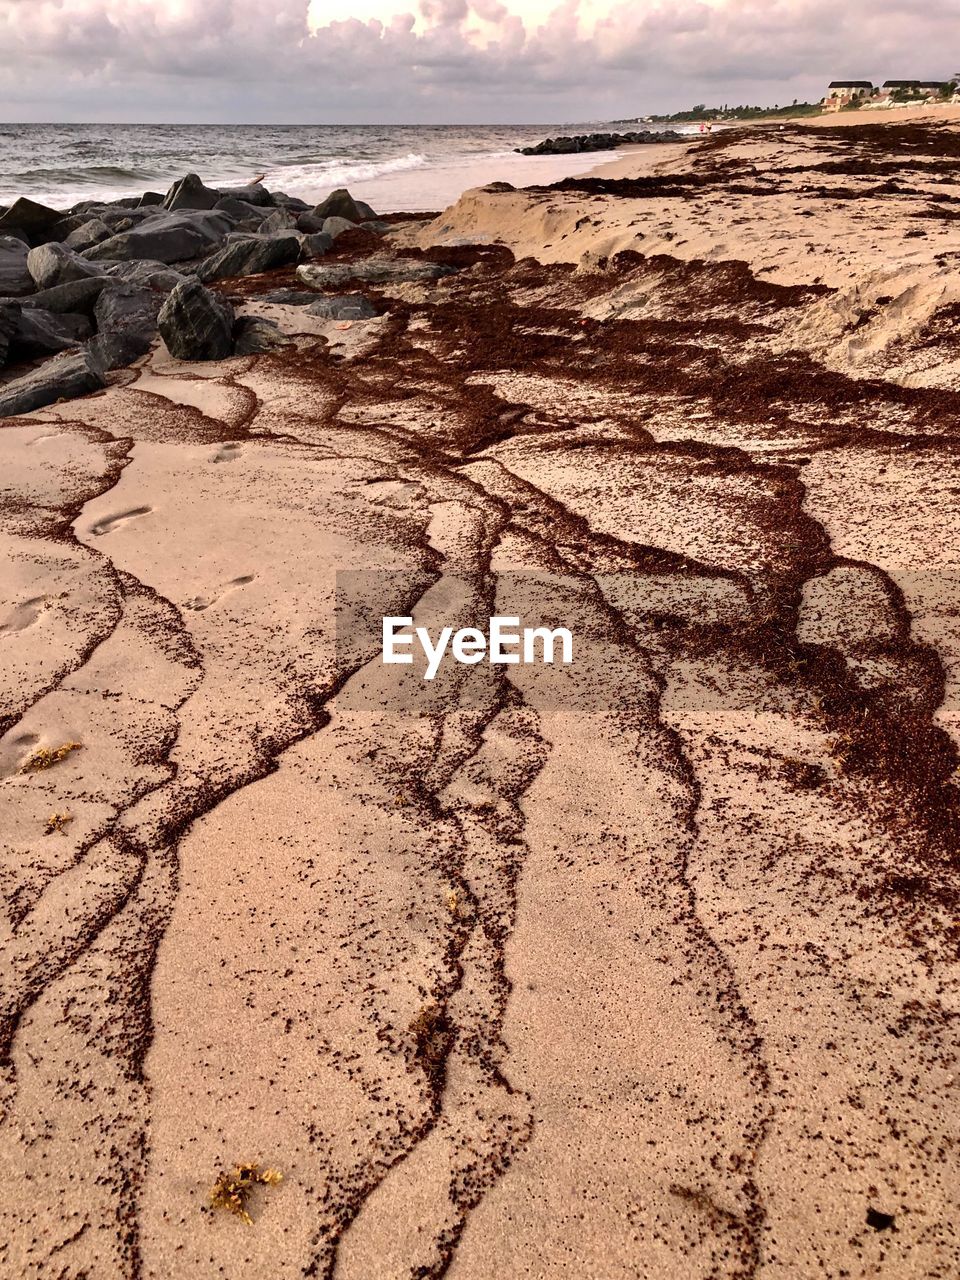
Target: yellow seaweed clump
{"x":46,"y":757}
{"x":232,"y":1191}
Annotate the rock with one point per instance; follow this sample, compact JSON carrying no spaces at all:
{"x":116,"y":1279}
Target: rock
{"x":128,"y":308}
{"x":339,"y":204}
{"x":376,"y":270}
{"x":169,"y":237}
{"x":153,"y":275}
{"x":190,"y":193}
{"x":255,"y":194}
{"x":111,"y":214}
{"x":150,"y":199}
{"x":53,"y":264}
{"x":252,"y":335}
{"x":597,"y":142}
{"x":365,"y":211}
{"x":34,"y":220}
{"x":344,"y":306}
{"x":78,"y":296}
{"x":87,"y":234}
{"x":334,"y":227}
{"x":64,"y":378}
{"x":43,"y":333}
{"x":118,"y":350}
{"x":314,"y":246}
{"x":14,"y":276}
{"x":240,"y":210}
{"x":309,"y":223}
{"x":115,"y":220}
{"x":290,"y":297}
{"x":279,"y":220}
{"x":196,"y":324}
{"x":68,"y":224}
{"x":294,"y":203}
{"x":250,"y":256}
{"x":9,"y":319}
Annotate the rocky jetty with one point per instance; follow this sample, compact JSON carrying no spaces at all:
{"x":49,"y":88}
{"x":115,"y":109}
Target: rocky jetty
{"x":88,"y":289}
{"x":598,"y":142}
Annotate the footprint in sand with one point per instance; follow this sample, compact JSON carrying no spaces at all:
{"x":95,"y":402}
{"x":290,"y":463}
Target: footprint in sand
{"x":228,"y":452}
{"x":108,"y":524}
{"x":199,"y":603}
{"x":23,"y":615}
{"x":13,"y":752}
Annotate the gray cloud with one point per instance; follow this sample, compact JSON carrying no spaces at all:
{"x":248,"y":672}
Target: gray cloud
{"x":457,"y":60}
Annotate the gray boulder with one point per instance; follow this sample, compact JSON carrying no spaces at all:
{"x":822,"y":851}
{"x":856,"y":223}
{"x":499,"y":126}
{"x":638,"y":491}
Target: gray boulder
{"x":77,"y":297}
{"x":240,"y":211}
{"x":279,"y":220}
{"x":250,"y":256}
{"x":366,"y":212}
{"x":53,"y":264}
{"x":36,"y":221}
{"x":87,"y":234}
{"x":150,"y":199}
{"x":130,"y":309}
{"x":339,"y":204}
{"x":290,"y":297}
{"x":334,"y":227}
{"x":69,"y":223}
{"x":190,"y":193}
{"x":314,"y":246}
{"x":376,"y":270}
{"x":255,"y":194}
{"x":117,"y":350}
{"x":14,"y":276}
{"x":169,"y":237}
{"x":64,"y":378}
{"x":196,"y":324}
{"x":294,"y":203}
{"x":43,"y":333}
{"x":344,"y":306}
{"x":252,"y":335}
{"x":152,"y":275}
{"x":9,"y":320}
{"x":309,"y":223}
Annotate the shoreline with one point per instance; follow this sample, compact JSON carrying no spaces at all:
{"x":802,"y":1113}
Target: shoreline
{"x":774,"y":242}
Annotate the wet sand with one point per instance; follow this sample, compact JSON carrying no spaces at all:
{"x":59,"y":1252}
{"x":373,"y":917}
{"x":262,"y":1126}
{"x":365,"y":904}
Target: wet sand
{"x":645,"y":966}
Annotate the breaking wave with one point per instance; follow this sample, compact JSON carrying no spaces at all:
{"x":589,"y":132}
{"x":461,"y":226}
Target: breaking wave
{"x":335,"y":173}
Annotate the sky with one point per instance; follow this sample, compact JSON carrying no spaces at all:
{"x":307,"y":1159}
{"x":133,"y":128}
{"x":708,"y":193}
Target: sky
{"x":449,"y":61}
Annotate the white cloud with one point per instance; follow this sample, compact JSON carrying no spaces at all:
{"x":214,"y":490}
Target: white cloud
{"x":349,"y":60}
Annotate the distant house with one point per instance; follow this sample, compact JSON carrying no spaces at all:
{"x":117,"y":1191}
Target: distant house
{"x":841,"y":93}
{"x":914,"y":88}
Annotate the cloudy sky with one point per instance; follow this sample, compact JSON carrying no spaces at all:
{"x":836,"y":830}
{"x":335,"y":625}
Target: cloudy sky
{"x":469,"y":61}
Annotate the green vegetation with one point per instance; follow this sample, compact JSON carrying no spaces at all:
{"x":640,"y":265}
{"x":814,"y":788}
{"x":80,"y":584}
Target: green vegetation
{"x":703,"y":112}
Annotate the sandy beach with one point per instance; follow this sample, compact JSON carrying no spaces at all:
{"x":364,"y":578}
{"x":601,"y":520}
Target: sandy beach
{"x":643,"y":966}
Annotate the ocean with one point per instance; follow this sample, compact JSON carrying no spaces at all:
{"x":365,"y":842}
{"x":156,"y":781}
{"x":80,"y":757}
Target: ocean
{"x":396,"y":168}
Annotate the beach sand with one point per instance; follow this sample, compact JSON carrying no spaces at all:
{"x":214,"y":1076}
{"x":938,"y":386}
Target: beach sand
{"x":642,"y":966}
